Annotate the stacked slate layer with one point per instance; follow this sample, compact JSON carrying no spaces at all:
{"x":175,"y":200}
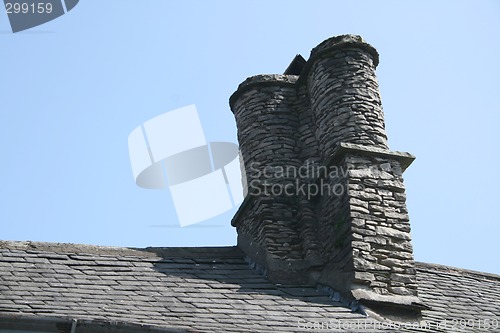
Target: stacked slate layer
{"x":48,"y":287}
{"x":325,"y":197}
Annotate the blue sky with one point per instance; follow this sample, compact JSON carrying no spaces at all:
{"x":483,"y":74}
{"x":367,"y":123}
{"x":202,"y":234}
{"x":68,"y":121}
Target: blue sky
{"x":74,"y":88}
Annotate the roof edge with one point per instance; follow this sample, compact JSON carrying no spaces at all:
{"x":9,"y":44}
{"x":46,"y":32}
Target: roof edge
{"x":148,"y":252}
{"x":453,"y":270}
{"x":42,"y":323}
{"x":226,"y":251}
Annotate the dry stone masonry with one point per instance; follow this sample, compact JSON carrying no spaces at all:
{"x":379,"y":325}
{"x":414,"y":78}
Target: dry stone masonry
{"x":326,"y":199}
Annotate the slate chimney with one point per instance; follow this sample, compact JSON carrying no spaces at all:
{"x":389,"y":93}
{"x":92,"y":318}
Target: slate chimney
{"x":326,"y":199}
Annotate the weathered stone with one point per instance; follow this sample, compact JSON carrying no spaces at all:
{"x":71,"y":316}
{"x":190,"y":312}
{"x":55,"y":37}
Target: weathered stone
{"x":386,"y":167}
{"x":401,"y":291}
{"x":364,"y":232}
{"x":365,"y":265}
{"x":403,"y":255}
{"x":349,"y":207}
{"x":393,"y":185}
{"x":363,"y":173}
{"x":393,"y":233}
{"x":390,"y":262}
{"x":364,"y":195}
{"x":384,"y":192}
{"x":396,"y":215}
{"x":357,"y":202}
{"x":409,"y":278}
{"x":358,"y":222}
{"x":365,"y":276}
{"x":400,"y":196}
{"x":356,"y":208}
{"x":361,"y":245}
{"x":375,"y":240}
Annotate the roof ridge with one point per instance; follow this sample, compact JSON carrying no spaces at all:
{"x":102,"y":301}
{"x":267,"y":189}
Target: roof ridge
{"x":430,"y":267}
{"x":104,"y":250}
{"x":226,"y":251}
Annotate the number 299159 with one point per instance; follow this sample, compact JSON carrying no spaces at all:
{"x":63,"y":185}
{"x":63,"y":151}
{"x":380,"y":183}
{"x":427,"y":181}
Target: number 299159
{"x":31,"y":8}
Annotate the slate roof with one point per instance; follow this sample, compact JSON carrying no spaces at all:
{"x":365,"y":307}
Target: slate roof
{"x":206,"y":289}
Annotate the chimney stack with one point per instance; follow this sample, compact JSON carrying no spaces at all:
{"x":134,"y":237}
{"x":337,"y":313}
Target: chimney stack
{"x":326,"y":199}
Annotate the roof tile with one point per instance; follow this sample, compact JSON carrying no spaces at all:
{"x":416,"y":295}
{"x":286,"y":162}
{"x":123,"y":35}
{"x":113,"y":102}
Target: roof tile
{"x":204,"y":289}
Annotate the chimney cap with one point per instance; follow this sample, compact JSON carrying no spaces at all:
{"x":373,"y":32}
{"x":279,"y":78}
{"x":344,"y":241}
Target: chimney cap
{"x":344,"y":41}
{"x":262,"y":80}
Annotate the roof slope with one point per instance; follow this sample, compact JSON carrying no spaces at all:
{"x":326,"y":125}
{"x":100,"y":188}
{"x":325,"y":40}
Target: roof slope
{"x":208,"y":289}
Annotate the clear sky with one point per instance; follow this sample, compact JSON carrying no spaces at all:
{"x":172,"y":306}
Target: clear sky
{"x":74,"y":88}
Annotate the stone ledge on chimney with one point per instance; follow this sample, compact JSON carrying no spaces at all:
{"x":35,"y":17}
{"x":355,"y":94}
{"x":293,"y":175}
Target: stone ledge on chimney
{"x":405,"y":159}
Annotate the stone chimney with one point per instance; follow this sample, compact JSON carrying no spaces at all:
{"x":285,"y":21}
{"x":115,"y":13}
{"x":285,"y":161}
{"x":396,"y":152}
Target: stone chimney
{"x":326,"y":199}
